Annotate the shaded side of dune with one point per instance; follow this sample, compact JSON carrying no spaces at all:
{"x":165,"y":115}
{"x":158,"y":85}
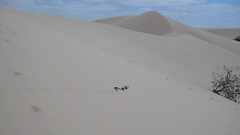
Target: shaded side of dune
{"x":149,"y":22}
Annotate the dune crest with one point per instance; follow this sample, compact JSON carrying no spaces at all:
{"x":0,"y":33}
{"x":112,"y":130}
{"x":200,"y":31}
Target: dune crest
{"x":150,"y":22}
{"x":154,"y":23}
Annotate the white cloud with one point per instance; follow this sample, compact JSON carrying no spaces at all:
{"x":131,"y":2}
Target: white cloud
{"x":145,"y":9}
{"x":157,"y":3}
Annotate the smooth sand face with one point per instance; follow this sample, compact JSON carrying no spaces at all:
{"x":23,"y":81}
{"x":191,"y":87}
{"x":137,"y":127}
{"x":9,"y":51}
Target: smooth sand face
{"x":150,"y":22}
{"x":153,"y":23}
{"x":230,"y":33}
{"x":57,"y":76}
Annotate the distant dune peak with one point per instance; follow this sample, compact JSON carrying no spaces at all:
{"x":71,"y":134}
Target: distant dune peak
{"x":150,"y":22}
{"x":152,"y":12}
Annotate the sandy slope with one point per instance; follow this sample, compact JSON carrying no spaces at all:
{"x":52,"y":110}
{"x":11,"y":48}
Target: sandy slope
{"x":231,"y":33}
{"x":152,"y":22}
{"x":149,"y":22}
{"x":58,"y":74}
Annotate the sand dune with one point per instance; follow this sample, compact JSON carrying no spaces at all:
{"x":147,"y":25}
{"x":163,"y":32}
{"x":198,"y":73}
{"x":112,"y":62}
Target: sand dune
{"x":57,"y":76}
{"x":149,"y":22}
{"x":154,"y":23}
{"x":230,"y":33}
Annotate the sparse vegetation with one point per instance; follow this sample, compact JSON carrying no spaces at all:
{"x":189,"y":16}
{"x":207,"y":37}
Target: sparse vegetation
{"x":227,"y":83}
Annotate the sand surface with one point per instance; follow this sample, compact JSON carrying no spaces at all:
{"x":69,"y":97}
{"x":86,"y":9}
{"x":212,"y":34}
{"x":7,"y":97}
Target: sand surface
{"x":57,"y":76}
{"x":230,"y":33}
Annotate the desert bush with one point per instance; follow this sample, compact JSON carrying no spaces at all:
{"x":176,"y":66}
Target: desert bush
{"x":227,"y":83}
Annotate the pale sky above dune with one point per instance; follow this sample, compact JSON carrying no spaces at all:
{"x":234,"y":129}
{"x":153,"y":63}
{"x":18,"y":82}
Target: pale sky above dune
{"x":197,"y":13}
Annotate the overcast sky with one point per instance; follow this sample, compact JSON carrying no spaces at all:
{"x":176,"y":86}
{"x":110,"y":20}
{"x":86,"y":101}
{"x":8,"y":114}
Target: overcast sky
{"x":197,"y":13}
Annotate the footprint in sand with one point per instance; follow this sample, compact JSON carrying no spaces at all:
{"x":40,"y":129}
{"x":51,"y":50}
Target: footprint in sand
{"x":35,"y":108}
